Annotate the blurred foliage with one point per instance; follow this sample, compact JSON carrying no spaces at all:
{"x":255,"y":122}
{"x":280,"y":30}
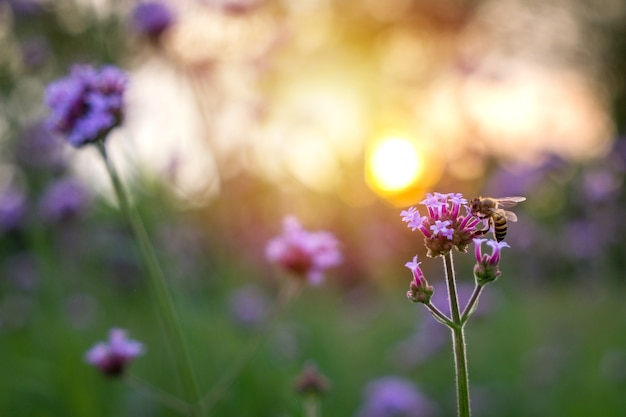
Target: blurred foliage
{"x":548,"y":343}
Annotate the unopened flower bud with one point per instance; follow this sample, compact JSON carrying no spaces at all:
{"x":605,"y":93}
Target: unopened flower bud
{"x":311,"y":381}
{"x":486,"y":268}
{"x":419,"y":290}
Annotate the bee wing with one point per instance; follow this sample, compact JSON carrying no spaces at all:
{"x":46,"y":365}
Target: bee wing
{"x":510,"y":216}
{"x":506,"y":202}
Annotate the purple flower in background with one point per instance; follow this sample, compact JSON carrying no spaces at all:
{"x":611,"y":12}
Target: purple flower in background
{"x":445,"y":227}
{"x":112,"y":357}
{"x":12,"y":209}
{"x":303,"y":253}
{"x":152,"y":19}
{"x":25,"y":7}
{"x":64,"y":199}
{"x":393,"y":396}
{"x":87,"y":104}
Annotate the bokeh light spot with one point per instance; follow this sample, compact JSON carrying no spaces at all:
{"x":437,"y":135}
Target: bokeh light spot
{"x":394,"y":164}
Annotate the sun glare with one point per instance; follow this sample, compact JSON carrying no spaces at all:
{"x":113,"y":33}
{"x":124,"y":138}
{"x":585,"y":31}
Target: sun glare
{"x":394,"y":164}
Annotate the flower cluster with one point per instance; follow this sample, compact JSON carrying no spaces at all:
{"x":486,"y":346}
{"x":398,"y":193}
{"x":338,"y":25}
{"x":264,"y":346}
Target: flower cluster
{"x":486,"y":268}
{"x":303,"y":253}
{"x":112,"y":357}
{"x":87,"y":104}
{"x":445,"y":227}
{"x":419,"y":291}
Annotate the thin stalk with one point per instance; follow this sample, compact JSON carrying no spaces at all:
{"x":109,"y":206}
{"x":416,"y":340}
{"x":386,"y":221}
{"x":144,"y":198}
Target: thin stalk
{"x":471,"y":304}
{"x":458,"y":337}
{"x":159,"y":288}
{"x":311,"y":406}
{"x":173,"y":403}
{"x":287,"y":295}
{"x":439,"y":316}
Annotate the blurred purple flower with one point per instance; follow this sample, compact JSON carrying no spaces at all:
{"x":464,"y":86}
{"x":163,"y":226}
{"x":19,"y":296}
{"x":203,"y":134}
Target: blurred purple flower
{"x":13,"y":209}
{"x":39,"y":148}
{"x":87,"y":104}
{"x":393,"y":396}
{"x":600,"y":184}
{"x":113,"y":356}
{"x":249,"y":306}
{"x":152,"y":19}
{"x":25,"y":7}
{"x":584,"y":239}
{"x":303,"y":253}
{"x":63,"y":200}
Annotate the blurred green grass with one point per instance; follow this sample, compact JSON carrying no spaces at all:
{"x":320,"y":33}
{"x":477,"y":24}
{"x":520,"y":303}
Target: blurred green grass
{"x":540,"y":351}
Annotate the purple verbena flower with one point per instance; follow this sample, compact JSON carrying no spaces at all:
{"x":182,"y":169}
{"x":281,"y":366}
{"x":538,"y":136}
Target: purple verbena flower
{"x":63,"y":200}
{"x":419,"y":290}
{"x":393,"y":396}
{"x":152,"y":18}
{"x":303,"y":253}
{"x":87,"y":104}
{"x":445,"y":227}
{"x":486,"y":268}
{"x":113,"y":356}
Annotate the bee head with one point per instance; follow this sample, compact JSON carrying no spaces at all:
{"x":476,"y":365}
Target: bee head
{"x":475,"y":204}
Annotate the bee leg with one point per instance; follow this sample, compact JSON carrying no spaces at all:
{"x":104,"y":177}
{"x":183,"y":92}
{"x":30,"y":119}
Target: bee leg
{"x":481,"y":232}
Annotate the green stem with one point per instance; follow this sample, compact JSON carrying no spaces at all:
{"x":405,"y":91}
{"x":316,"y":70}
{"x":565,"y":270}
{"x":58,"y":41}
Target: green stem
{"x":311,"y":406}
{"x":471,"y":304}
{"x":287,"y":295}
{"x":158,"y":286}
{"x":158,"y":394}
{"x":460,"y":356}
{"x":439,"y":316}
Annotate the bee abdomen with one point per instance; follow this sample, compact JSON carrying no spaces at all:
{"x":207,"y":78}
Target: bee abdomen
{"x":499,"y":226}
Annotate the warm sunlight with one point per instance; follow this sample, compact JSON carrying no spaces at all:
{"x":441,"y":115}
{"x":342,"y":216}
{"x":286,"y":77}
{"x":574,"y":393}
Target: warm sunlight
{"x":393,"y":164}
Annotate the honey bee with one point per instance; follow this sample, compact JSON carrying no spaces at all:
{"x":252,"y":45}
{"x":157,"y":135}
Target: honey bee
{"x":493,"y":209}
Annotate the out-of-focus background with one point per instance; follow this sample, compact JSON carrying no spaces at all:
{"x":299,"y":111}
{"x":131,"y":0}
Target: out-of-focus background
{"x":341,"y":113}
